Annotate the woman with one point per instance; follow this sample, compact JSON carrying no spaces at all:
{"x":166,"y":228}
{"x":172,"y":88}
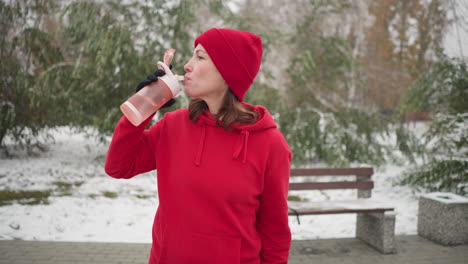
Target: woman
{"x":222,"y":164}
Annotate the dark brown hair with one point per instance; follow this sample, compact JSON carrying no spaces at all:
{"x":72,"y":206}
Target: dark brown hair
{"x":232,"y":111}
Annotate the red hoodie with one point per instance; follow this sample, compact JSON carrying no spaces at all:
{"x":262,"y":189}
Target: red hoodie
{"x":222,"y":194}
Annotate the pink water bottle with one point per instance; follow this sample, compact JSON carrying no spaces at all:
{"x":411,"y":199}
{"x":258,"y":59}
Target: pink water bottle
{"x":151,"y":97}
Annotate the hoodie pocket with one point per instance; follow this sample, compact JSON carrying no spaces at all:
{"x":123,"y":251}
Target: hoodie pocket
{"x":196,"y":248}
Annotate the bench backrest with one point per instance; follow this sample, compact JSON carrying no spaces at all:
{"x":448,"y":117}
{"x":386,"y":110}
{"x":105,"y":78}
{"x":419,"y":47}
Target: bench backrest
{"x":361,"y":180}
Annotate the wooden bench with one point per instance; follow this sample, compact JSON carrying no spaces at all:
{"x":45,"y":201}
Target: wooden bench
{"x":375,"y":221}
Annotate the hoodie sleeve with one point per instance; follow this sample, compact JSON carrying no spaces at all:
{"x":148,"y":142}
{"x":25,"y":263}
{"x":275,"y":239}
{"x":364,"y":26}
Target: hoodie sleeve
{"x":272,"y":216}
{"x":132,"y":149}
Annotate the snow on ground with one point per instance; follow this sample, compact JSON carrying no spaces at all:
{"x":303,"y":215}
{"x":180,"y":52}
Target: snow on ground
{"x":87,"y":205}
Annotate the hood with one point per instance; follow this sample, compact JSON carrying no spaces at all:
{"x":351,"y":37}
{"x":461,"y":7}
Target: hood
{"x":264,"y":121}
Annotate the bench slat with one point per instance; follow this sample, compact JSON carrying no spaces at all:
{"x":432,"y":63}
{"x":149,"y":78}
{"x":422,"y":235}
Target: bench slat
{"x":361,"y":185}
{"x":361,"y":172}
{"x":338,"y":207}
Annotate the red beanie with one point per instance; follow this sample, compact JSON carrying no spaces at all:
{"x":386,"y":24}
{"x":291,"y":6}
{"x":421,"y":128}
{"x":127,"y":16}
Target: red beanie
{"x":236,"y":54}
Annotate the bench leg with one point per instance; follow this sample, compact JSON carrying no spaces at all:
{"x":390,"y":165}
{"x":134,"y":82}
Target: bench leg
{"x":377,"y":230}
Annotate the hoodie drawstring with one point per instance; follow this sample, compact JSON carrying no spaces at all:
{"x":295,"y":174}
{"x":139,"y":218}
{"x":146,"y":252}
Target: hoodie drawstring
{"x":201,"y":145}
{"x":242,"y":145}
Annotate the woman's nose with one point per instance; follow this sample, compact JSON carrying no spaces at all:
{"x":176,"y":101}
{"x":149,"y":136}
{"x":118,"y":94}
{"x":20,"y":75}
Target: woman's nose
{"x":187,"y":67}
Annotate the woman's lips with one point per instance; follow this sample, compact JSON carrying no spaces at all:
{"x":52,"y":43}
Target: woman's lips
{"x":186,"y":79}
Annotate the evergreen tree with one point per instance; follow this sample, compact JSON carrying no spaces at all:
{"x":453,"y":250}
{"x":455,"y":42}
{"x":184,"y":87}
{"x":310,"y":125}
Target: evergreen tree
{"x":26,"y":51}
{"x":78,"y":73}
{"x":442,"y":91}
{"x":322,"y":123}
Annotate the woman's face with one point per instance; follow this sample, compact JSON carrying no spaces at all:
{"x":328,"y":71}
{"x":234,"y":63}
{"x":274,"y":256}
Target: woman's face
{"x":203,"y":80}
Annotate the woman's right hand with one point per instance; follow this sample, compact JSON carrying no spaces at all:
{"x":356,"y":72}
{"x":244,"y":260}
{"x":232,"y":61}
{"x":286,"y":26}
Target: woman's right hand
{"x":150,"y":79}
{"x":153,"y":78}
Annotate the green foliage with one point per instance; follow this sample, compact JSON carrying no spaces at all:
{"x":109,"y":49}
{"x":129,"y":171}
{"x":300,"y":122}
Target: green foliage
{"x":262,"y":94}
{"x":81,"y":70}
{"x":100,"y":47}
{"x":442,"y":91}
{"x":111,"y":195}
{"x":443,"y":88}
{"x":322,"y":125}
{"x":408,"y":143}
{"x":7,"y":197}
{"x":24,"y":51}
{"x":335,"y":138}
{"x":440,"y":175}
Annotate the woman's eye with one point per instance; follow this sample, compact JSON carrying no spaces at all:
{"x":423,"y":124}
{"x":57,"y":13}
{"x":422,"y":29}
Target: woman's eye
{"x":200,"y":57}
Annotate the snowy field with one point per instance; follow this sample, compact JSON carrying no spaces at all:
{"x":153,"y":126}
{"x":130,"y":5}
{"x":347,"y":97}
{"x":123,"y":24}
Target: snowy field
{"x":84,"y":204}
